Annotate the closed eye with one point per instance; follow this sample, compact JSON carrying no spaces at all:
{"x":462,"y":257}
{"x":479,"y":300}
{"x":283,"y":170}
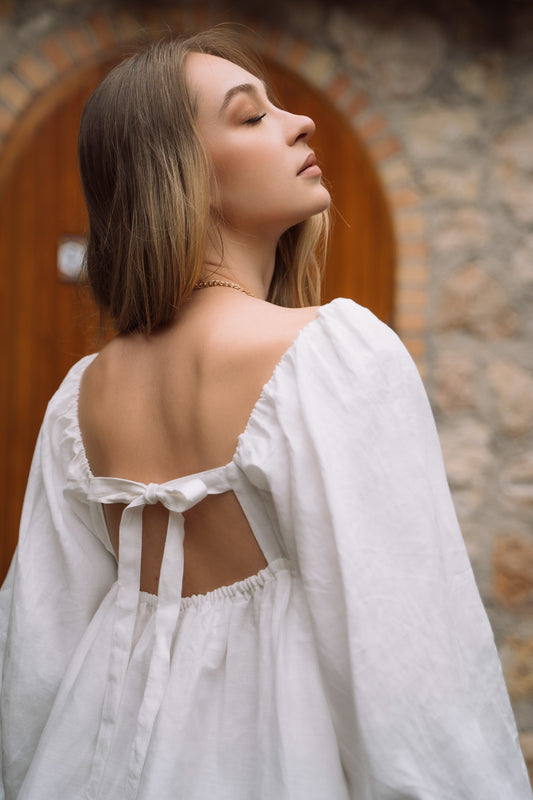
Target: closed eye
{"x":254,"y":120}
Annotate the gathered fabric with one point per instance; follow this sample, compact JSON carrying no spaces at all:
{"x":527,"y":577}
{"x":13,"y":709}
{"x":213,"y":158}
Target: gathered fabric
{"x":358,"y":665}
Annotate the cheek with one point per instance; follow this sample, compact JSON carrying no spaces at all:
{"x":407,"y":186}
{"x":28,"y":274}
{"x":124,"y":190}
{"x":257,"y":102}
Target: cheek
{"x":243,"y":171}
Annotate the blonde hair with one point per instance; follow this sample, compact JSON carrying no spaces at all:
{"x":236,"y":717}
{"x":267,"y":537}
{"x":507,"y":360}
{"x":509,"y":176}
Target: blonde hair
{"x":146,"y":179}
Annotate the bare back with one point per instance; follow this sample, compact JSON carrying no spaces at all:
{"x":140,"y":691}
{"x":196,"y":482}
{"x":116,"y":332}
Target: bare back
{"x":157,"y":408}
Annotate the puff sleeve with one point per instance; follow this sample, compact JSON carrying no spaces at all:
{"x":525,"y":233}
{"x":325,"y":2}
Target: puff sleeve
{"x":344,"y":442}
{"x":58,"y":577}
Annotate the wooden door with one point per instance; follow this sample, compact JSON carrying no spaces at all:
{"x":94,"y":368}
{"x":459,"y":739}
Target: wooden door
{"x":47,"y":324}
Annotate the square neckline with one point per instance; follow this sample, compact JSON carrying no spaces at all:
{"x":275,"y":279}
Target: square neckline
{"x":265,"y":390}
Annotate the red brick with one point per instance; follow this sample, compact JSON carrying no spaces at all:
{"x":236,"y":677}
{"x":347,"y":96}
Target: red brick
{"x":56,"y":53}
{"x":356,"y":105}
{"x":273,"y":40}
{"x":33,"y":71}
{"x":385,"y":148}
{"x":410,"y":224}
{"x":338,"y":86}
{"x":413,"y":274}
{"x":410,"y":321}
{"x":415,"y":345}
{"x":79,"y":44}
{"x":7,"y":118}
{"x":371,"y":127}
{"x":13,"y":92}
{"x":297,"y":54}
{"x":412,"y":249}
{"x":102,"y":29}
{"x":403,"y":198}
{"x":128,"y":27}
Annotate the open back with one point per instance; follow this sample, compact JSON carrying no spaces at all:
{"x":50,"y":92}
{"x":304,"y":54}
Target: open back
{"x":154,"y":409}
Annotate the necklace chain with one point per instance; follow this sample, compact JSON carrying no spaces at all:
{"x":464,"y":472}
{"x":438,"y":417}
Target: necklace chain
{"x":228,"y":284}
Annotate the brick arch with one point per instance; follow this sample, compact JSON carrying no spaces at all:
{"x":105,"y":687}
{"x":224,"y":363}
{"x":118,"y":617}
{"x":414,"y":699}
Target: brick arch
{"x":40,"y":78}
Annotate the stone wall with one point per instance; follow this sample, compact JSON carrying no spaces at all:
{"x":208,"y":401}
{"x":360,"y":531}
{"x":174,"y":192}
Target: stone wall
{"x":454,"y":86}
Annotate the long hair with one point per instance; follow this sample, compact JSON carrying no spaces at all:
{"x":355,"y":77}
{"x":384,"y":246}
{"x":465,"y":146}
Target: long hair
{"x":147,"y":180}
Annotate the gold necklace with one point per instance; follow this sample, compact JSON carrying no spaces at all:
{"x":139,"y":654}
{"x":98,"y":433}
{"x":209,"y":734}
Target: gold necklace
{"x":229,"y":284}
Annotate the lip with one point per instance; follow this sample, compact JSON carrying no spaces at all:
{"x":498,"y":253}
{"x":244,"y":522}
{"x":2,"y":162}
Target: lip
{"x":310,"y":166}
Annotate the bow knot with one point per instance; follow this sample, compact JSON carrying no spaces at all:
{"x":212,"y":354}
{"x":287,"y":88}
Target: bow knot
{"x":178,"y":495}
{"x":152,"y":494}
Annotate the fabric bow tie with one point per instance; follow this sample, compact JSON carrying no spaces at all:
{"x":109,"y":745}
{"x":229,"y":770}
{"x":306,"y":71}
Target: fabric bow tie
{"x":177,"y":496}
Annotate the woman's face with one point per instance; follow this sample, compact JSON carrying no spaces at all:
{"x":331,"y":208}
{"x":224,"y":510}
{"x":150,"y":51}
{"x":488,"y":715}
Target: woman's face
{"x":265,"y":170}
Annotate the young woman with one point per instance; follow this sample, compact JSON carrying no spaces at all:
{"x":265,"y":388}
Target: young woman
{"x":239,"y":572}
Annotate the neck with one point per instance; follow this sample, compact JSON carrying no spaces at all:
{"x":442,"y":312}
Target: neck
{"x":244,"y":259}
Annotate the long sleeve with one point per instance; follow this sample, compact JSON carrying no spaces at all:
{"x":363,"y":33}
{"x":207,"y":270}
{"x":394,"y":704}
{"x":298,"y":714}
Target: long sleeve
{"x":58,"y":577}
{"x":344,"y":442}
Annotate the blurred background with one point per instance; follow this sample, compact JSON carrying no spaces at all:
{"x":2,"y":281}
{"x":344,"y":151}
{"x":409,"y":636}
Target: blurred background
{"x":424,"y":113}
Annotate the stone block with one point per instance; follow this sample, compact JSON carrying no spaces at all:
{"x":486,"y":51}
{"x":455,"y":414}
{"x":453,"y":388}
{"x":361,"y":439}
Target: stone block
{"x":515,"y":189}
{"x":401,"y":59}
{"x":454,"y":382}
{"x":319,"y":68}
{"x":513,"y":173}
{"x":516,"y":482}
{"x":526,"y":743}
{"x":467,"y":456}
{"x":512,"y":388}
{"x":472,"y":300}
{"x":513,"y":145}
{"x":396,"y":173}
{"x":447,"y":183}
{"x":517,"y":662}
{"x":512,"y":563}
{"x":437,"y":132}
{"x":483,"y":77}
{"x":522,"y":263}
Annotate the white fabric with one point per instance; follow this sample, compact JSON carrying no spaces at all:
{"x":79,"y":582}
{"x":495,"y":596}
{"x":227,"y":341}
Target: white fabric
{"x":359,"y":664}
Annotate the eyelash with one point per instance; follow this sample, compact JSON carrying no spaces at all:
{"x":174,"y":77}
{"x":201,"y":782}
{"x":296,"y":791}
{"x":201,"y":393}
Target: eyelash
{"x":255,"y":120}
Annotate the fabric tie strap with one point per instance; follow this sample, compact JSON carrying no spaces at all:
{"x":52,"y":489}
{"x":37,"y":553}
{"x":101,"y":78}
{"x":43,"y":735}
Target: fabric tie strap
{"x":177,"y":497}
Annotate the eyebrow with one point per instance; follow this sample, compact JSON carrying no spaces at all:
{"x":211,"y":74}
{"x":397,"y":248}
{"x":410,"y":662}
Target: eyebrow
{"x":247,"y":88}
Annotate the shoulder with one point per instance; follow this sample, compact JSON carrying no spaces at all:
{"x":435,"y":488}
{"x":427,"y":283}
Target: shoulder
{"x":345,"y":356}
{"x":253,"y":336}
{"x":345,"y":374}
{"x":61,"y":445}
{"x":350,"y":336}
{"x":63,"y":403}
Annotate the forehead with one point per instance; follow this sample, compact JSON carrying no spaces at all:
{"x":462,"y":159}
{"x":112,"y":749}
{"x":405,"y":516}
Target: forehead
{"x":210,"y":77}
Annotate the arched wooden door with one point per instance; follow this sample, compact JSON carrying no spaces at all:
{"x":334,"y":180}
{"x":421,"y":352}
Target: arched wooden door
{"x":47,"y":323}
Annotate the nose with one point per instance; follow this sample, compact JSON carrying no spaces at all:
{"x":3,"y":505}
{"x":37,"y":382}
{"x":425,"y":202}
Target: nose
{"x":302,"y":128}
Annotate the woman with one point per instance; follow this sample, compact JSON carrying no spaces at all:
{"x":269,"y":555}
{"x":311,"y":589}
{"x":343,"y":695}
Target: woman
{"x":239,"y":572}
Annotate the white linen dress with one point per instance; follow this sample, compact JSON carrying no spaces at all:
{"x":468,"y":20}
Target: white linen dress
{"x":358,"y":664}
